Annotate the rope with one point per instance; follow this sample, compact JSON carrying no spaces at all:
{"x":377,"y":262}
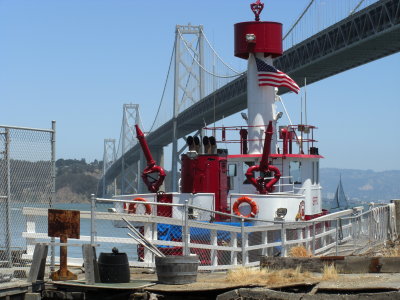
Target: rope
{"x":199,"y":64}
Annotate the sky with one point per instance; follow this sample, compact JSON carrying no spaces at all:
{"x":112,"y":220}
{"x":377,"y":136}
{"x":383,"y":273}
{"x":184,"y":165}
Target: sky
{"x":78,"y":62}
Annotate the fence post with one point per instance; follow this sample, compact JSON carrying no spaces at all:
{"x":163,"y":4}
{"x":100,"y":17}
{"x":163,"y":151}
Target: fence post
{"x":8,"y":200}
{"x":337,"y":237}
{"x":283,"y":240}
{"x":313,"y":239}
{"x":244,"y":254}
{"x":53,"y":191}
{"x":93,"y":220}
{"x":186,"y":233}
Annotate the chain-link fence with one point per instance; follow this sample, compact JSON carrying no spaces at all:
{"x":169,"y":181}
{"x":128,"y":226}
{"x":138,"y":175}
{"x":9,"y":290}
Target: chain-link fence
{"x":27,"y":179}
{"x":179,"y":226}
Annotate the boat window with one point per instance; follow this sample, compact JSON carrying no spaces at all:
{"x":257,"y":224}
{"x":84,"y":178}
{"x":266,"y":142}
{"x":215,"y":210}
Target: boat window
{"x":246,"y":165}
{"x":232,"y":170}
{"x":295,"y":172}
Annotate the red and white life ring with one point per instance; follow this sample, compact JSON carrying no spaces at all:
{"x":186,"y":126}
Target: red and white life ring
{"x":133,"y":206}
{"x":251,"y":202}
{"x":301,"y":216}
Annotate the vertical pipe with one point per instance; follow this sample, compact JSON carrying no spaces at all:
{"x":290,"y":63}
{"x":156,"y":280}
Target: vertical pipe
{"x":53,"y":191}
{"x":92,"y":220}
{"x":8,"y":200}
{"x":186,"y":229}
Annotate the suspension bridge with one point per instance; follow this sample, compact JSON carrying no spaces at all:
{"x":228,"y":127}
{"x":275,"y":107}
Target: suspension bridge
{"x":205,"y":89}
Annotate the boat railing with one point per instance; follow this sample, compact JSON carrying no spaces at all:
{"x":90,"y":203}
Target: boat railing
{"x":300,"y":136}
{"x":221,"y":240}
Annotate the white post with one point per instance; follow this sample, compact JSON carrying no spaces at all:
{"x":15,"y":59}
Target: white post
{"x":264,"y":241}
{"x":186,"y":232}
{"x":233,"y":243}
{"x":214,"y":242}
{"x":283,"y":240}
{"x":313,"y":239}
{"x":148,"y":255}
{"x":93,"y":220}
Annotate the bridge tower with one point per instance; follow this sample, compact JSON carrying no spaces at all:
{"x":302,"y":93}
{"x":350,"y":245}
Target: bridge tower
{"x":189,"y":82}
{"x":129,"y":172}
{"x":109,"y":157}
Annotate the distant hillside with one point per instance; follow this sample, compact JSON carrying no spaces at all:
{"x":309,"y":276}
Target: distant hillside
{"x":361,"y":185}
{"x":76,"y":180}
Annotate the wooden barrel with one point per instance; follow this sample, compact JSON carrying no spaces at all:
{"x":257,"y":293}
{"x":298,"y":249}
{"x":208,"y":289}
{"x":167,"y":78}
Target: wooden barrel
{"x":114,"y":267}
{"x":177,"y":269}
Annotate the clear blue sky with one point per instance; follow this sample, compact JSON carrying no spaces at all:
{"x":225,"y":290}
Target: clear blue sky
{"x":77,"y":62}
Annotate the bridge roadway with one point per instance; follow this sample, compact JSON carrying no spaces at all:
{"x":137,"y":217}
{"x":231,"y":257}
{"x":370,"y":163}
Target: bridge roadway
{"x":367,"y":35}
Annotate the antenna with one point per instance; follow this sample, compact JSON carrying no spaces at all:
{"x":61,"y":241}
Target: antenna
{"x":305,"y":100}
{"x":301,"y":110}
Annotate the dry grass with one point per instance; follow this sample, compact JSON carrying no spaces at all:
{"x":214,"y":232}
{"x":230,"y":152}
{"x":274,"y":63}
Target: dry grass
{"x":392,"y":251}
{"x":299,"y":251}
{"x":267,"y":276}
{"x":330,"y":272}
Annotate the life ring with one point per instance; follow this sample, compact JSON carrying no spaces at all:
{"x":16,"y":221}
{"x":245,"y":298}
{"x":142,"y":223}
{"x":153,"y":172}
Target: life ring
{"x":301,"y":216}
{"x":133,"y":206}
{"x":251,"y":202}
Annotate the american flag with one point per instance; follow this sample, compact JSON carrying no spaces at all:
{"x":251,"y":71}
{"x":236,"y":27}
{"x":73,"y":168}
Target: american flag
{"x":268,"y":75}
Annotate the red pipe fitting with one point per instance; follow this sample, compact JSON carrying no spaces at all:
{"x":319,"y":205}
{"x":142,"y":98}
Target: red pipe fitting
{"x":154,"y":185}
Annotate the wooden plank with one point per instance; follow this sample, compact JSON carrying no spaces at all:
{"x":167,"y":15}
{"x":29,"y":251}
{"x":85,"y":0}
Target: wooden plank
{"x":344,"y":265}
{"x":91,"y":268}
{"x":38,"y":263}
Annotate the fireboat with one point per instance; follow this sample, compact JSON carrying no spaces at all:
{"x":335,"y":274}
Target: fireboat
{"x":274,"y":176}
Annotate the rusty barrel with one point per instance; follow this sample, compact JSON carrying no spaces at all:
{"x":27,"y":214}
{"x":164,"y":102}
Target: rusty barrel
{"x":114,"y":267}
{"x":177,"y":269}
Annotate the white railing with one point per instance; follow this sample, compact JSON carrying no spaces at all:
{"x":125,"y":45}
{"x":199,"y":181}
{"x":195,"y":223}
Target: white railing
{"x":221,"y":245}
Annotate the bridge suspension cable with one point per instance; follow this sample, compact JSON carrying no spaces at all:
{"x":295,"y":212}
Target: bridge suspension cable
{"x":202,"y":67}
{"x":164,"y":89}
{"x":216,"y":54}
{"x":319,"y":15}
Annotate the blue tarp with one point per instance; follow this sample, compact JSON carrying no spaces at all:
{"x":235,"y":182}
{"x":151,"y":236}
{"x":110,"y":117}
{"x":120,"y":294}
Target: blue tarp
{"x":174,"y":232}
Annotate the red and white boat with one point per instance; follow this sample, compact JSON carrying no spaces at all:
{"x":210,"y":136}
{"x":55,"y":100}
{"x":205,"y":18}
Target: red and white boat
{"x":276,"y":172}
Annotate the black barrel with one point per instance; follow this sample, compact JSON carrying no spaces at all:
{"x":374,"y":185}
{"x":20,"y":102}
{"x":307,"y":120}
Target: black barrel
{"x":177,"y":269}
{"x":114,"y":267}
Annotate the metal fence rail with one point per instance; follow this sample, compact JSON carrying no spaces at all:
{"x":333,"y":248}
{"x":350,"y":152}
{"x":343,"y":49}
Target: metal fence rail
{"x":27,"y":178}
{"x":222,"y":245}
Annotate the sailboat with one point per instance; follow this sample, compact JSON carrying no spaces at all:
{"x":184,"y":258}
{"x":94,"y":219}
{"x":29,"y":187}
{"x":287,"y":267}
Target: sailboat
{"x":340,"y":201}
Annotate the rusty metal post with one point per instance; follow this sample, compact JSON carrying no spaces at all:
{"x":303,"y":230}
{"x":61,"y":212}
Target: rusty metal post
{"x":63,"y":256}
